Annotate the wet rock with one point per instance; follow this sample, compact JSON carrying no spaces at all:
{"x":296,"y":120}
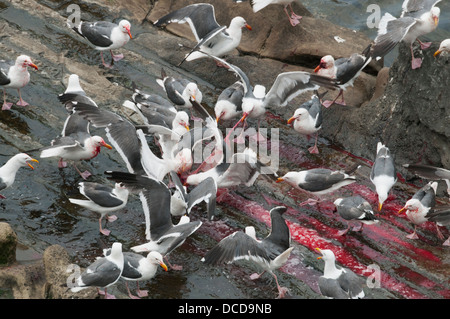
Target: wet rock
{"x":58,"y":269}
{"x":8,"y":244}
{"x":410,"y":115}
{"x":272,"y":35}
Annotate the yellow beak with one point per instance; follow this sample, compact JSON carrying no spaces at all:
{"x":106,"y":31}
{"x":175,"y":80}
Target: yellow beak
{"x":163,"y":265}
{"x":318,"y":249}
{"x":33,"y":160}
{"x":292,"y":119}
{"x":279,"y":180}
{"x":437,"y":53}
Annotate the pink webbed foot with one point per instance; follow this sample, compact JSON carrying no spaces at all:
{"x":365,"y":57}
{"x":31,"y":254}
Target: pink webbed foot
{"x":85,"y":174}
{"x":2,"y":197}
{"x":310,"y":201}
{"x":282,"y":291}
{"x":6,"y":106}
{"x":62,"y":163}
{"x":416,"y":63}
{"x":107,"y":295}
{"x":342,"y":232}
{"x":142,"y":293}
{"x":327,"y":103}
{"x":105,"y":232}
{"x":255,"y":276}
{"x":412,"y":236}
{"x":294,"y":21}
{"x":117,"y":57}
{"x":425,"y":45}
{"x":314,"y":149}
{"x":22,"y":103}
{"x":111,"y":218}
{"x":446,"y":243}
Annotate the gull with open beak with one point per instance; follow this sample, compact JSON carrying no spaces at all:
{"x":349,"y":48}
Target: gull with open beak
{"x":9,"y":170}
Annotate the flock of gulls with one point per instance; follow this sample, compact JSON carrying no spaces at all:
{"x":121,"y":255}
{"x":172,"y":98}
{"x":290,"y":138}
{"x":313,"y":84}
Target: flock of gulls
{"x":167,"y":183}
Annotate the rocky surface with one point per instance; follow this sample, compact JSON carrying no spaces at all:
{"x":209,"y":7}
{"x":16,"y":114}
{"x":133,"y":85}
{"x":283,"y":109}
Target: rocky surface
{"x":394,"y":105}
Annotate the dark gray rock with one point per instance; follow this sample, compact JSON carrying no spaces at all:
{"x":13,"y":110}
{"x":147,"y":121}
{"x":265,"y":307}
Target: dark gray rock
{"x":411,"y":116}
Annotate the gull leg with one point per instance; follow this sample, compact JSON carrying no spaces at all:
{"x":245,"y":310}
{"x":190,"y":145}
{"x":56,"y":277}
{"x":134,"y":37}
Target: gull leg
{"x":282,"y":291}
{"x":105,"y":231}
{"x":21,"y":102}
{"x":256,"y":275}
{"x":327,"y":103}
{"x":6,"y":105}
{"x":103,"y":61}
{"x":141,"y":293}
{"x":413,"y":235}
{"x":129,"y":292}
{"x":424,"y":45}
{"x":116,"y":57}
{"x":293,"y":20}
{"x":343,"y":232}
{"x":84,"y":175}
{"x":314,"y":149}
{"x":293,"y":14}
{"x":415,"y":62}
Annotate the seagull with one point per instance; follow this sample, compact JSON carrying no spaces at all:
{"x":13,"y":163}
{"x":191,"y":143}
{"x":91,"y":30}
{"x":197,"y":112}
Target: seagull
{"x":139,"y":268}
{"x":418,"y":18}
{"x":153,"y":108}
{"x":75,"y":147}
{"x":383,"y":173}
{"x":287,"y":86}
{"x":355,"y":208}
{"x":317,"y":181}
{"x":75,"y":142}
{"x":211,"y":37}
{"x":308,"y":119}
{"x":229,"y":102}
{"x":270,"y":253}
{"x":443,"y":47}
{"x":430,"y":172}
{"x":102,"y":199}
{"x":338,"y":282}
{"x":9,"y":170}
{"x":131,"y":143}
{"x":294,"y":18}
{"x":180,"y":91}
{"x":160,"y":118}
{"x":103,"y":273}
{"x":164,"y":237}
{"x":15,"y":75}
{"x":343,"y":70}
{"x":241,"y":168}
{"x":418,"y":207}
{"x":182,"y":202}
{"x":105,"y":35}
{"x":441,"y":216}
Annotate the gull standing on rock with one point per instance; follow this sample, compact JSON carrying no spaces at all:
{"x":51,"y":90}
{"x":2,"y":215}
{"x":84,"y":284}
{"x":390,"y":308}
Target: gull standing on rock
{"x":105,"y":35}
{"x":15,"y":75}
{"x":211,"y":37}
{"x":294,"y":18}
{"x":102,"y":273}
{"x":355,"y":208}
{"x":308,"y":119}
{"x":343,"y":70}
{"x":418,"y":18}
{"x":317,"y":181}
{"x":338,"y":282}
{"x":102,"y":199}
{"x":383,"y":173}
